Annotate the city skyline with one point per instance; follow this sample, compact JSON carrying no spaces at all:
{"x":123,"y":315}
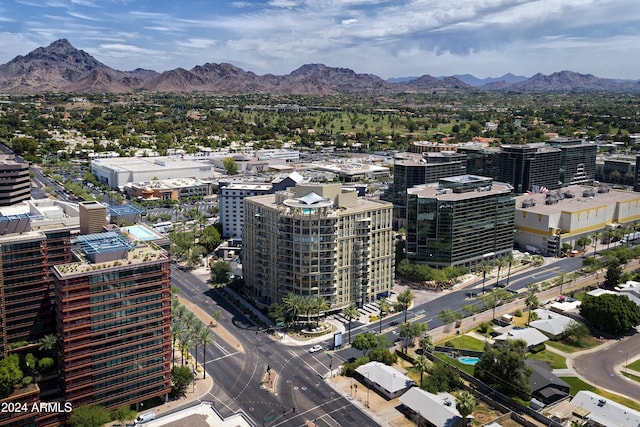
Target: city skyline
{"x":381,"y":37}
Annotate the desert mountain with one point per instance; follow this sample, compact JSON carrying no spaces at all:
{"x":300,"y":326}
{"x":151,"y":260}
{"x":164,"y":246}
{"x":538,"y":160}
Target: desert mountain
{"x":60,"y":67}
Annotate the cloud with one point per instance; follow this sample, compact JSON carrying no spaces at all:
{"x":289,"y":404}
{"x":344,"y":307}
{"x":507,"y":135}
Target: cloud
{"x":349,"y":21}
{"x":197,"y":43}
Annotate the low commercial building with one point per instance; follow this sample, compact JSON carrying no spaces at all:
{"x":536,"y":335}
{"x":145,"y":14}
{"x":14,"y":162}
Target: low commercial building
{"x":433,"y":410}
{"x":386,"y":380}
{"x":116,"y":172}
{"x":168,"y":189}
{"x":547,"y":220}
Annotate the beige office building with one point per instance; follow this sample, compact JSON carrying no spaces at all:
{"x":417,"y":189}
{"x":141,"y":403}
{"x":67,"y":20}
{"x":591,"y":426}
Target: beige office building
{"x":319,"y":240}
{"x":545,"y":221}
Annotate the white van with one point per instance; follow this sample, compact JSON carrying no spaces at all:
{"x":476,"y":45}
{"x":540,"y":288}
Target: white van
{"x":145,"y":418}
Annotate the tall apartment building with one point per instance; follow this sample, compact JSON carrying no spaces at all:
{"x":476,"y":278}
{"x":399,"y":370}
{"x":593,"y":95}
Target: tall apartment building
{"x":415,"y":169}
{"x":231,"y":196}
{"x":15,"y":183}
{"x":318,"y":240}
{"x":113,"y":317}
{"x":530,"y":167}
{"x":93,"y":217}
{"x":577,"y":161}
{"x":26,"y":286}
{"x":231,"y":204}
{"x":460,"y":221}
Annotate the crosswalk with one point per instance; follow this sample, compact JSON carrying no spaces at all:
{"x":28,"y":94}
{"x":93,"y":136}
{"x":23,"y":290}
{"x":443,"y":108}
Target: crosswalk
{"x":370,"y":309}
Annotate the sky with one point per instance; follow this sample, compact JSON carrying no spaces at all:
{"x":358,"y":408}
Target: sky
{"x":388,"y":38}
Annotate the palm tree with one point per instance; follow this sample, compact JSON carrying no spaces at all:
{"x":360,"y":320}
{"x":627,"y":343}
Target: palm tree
{"x":597,"y":236}
{"x":384,"y":306}
{"x":465,"y":404}
{"x":350,"y":312}
{"x":500,"y":262}
{"x":321,"y":305}
{"x":405,"y":298}
{"x":426,"y":344}
{"x":510,"y":260}
{"x":421,"y":364}
{"x":532,"y":302}
{"x":484,"y":267}
{"x":205,"y":338}
{"x":48,"y":343}
{"x":184,"y":343}
{"x":180,"y":311}
{"x":176,"y":331}
{"x":195,"y":332}
{"x":293,"y":305}
{"x":216,"y":315}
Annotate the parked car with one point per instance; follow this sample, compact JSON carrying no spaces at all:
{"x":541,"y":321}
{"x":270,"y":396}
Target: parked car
{"x":315,"y":348}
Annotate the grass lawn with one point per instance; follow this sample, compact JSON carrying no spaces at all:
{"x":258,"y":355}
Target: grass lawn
{"x":587,"y":342}
{"x":455,"y":362}
{"x":635,"y":365}
{"x":555,"y":360}
{"x":577,"y":384}
{"x":465,"y":342}
{"x":631,"y":376}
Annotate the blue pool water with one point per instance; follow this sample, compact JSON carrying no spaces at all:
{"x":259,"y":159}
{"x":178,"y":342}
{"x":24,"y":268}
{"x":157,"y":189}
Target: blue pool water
{"x":141,"y":233}
{"x":468,"y":360}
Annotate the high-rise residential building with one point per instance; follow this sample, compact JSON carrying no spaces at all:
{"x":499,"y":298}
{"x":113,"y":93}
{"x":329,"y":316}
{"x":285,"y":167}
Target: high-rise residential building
{"x":411,"y":169}
{"x":231,"y":204}
{"x":460,"y":221}
{"x":113,"y":317}
{"x":318,"y":240}
{"x":15,"y":183}
{"x":577,"y":160}
{"x":530,"y":167}
{"x":482,"y":160}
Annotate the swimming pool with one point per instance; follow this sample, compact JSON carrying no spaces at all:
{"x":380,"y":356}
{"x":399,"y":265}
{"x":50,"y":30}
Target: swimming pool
{"x":467,"y":360}
{"x":141,"y":233}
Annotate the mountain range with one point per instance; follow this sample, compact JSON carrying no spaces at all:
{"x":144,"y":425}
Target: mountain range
{"x":60,"y":67}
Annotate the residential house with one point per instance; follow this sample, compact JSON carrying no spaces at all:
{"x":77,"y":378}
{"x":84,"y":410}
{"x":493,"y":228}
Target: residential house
{"x":387,"y":381}
{"x":432,"y":410}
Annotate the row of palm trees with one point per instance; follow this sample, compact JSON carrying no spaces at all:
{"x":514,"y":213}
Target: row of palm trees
{"x":187,"y":332}
{"x":297,"y":306}
{"x":485,"y":267}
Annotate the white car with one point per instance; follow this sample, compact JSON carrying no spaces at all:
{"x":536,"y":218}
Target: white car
{"x":315,"y":348}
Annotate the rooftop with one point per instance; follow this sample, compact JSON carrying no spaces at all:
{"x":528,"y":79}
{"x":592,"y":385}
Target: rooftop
{"x":572,"y":199}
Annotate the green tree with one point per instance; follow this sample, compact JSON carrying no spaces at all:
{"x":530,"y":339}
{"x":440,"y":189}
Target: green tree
{"x":210,"y":238}
{"x":532,"y":303}
{"x":365,"y":342}
{"x":220,"y":272}
{"x":511,"y":260}
{"x":494,"y":298}
{"x":410,"y":331}
{"x":426,"y":344}
{"x":216,"y":315}
{"x":502,"y":367}
{"x":293,"y":305}
{"x":90,"y":416}
{"x":465,"y":404}
{"x":405,"y":298}
{"x":48,"y":344}
{"x":10,"y":373}
{"x":384,"y":306}
{"x":421,"y":364}
{"x":597,"y":237}
{"x":350,"y":312}
{"x":614,"y":314}
{"x":583,"y":242}
{"x":442,"y":377}
{"x":46,"y":364}
{"x":181,"y":378}
{"x":613,"y":275}
{"x":230,"y":166}
{"x":575,"y":332}
{"x":123,"y":413}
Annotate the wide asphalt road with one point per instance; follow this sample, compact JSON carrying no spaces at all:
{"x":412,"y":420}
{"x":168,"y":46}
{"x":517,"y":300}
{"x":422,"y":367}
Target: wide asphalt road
{"x":293,"y":391}
{"x":602,"y":368}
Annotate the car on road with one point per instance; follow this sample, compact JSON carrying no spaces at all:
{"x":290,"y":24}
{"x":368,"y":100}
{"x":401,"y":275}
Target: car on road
{"x":315,"y":348}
